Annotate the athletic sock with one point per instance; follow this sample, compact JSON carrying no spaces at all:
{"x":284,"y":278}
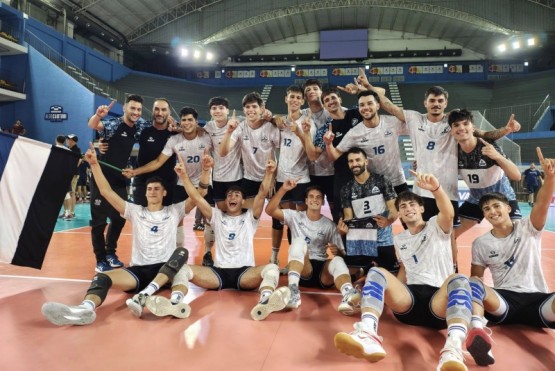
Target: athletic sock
{"x":88,"y":304}
{"x":151,"y":288}
{"x":293,"y":278}
{"x":456,"y":333}
{"x":345,"y":288}
{"x":370,"y":321}
{"x":176,"y":297}
{"x":476,"y":322}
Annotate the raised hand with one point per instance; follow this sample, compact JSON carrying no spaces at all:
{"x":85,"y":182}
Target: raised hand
{"x":513,"y":125}
{"x":349,"y":88}
{"x":382,"y":221}
{"x":329,"y":136}
{"x":280,"y":122}
{"x":489,"y":150}
{"x":548,"y":165}
{"x":207,"y":160}
{"x":103,"y":110}
{"x":232,"y":123}
{"x":361,"y":78}
{"x":289,"y":184}
{"x":306,"y":122}
{"x":266,"y":115}
{"x":172,"y":125}
{"x":426,"y":181}
{"x":103,"y":146}
{"x":180,"y":167}
{"x":90,"y":155}
{"x":271,"y":164}
{"x":342,"y":228}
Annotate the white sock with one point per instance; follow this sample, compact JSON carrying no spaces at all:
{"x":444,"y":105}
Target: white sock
{"x":264,"y":295}
{"x":293,"y":278}
{"x":151,"y":288}
{"x":88,"y":304}
{"x":176,"y":297}
{"x":346,"y":288}
{"x":456,"y":333}
{"x":476,"y":322}
{"x":371,"y":321}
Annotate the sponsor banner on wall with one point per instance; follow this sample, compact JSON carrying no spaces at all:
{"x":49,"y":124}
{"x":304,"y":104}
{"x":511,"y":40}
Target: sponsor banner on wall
{"x":275,"y":73}
{"x":311,"y":72}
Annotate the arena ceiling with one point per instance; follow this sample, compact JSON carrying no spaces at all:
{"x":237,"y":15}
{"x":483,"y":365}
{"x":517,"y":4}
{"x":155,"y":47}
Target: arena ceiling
{"x":235,"y":27}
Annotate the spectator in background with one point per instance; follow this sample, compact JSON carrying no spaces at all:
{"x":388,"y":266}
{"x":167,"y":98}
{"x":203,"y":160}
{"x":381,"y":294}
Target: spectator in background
{"x":18,"y":128}
{"x":60,"y":140}
{"x":71,"y":141}
{"x":533,"y":181}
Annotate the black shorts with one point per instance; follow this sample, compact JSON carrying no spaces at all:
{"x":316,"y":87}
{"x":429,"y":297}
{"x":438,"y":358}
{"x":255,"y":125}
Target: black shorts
{"x":532,"y":188}
{"x":179,"y":195}
{"x":326,"y":183}
{"x":220,"y":188}
{"x":315,"y":278}
{"x":473,"y":211}
{"x":420,"y":313}
{"x":297,"y":195}
{"x":229,"y":278}
{"x":523,"y":309}
{"x":250,"y":187}
{"x":143,"y":274}
{"x":431,"y":209}
{"x":386,"y":259}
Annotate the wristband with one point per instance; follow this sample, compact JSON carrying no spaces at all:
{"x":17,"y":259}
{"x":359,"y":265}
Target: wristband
{"x":203,"y":185}
{"x":436,"y":188}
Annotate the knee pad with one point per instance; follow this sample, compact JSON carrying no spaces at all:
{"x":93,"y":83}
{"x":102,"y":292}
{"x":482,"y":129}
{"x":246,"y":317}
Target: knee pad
{"x":478,"y":290}
{"x":459,"y":298}
{"x":276,"y":224}
{"x":183,"y":277}
{"x":297,"y":250}
{"x":180,"y":237}
{"x":373,"y":290}
{"x":175,"y":262}
{"x":270,"y":276}
{"x":208,"y":236}
{"x":337,"y":267}
{"x":100,"y":285}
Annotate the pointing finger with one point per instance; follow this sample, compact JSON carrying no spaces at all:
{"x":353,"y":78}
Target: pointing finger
{"x":540,"y":155}
{"x":233,"y":115}
{"x":111,"y":105}
{"x":412,"y":172}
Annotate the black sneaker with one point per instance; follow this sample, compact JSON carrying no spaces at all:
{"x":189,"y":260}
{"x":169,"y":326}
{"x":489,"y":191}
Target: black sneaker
{"x":207,"y":260}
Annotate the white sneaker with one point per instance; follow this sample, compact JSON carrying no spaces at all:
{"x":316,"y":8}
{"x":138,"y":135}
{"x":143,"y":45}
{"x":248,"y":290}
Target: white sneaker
{"x":361,"y":343}
{"x":61,"y":314}
{"x":136,"y":304}
{"x":274,"y":303}
{"x":451,"y":359}
{"x":295,"y":298}
{"x":161,"y":306}
{"x":350,"y":303}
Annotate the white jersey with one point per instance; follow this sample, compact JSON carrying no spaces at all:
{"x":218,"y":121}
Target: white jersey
{"x":323,"y":165}
{"x":153,"y":232}
{"x":233,"y":238}
{"x":255,"y":145}
{"x":381,"y":145}
{"x":316,"y":234}
{"x":227,"y":168}
{"x":191,"y":151}
{"x":293,"y":161}
{"x":427,"y":255}
{"x":435,"y":151}
{"x":515,"y":260}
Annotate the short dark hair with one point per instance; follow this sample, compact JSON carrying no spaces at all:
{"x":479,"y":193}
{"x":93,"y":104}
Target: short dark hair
{"x":408,"y":196}
{"x":156,"y":179}
{"x":314,"y":188}
{"x":135,"y":98}
{"x":330,"y":91}
{"x":493,"y":196}
{"x":310,"y":82}
{"x":357,"y":150}
{"x":235,"y":188}
{"x":253,"y":97}
{"x":188,"y":111}
{"x":60,"y":139}
{"x":367,"y":93}
{"x":294,"y":89}
{"x":218,"y":101}
{"x":162,"y":99}
{"x":459,"y":115}
{"x":436,"y":90}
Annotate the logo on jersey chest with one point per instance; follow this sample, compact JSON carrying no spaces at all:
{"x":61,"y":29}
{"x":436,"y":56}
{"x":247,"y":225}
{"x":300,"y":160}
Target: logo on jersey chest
{"x":338,"y":134}
{"x":124,"y":134}
{"x":403,"y":247}
{"x":264,"y":139}
{"x":482,"y":163}
{"x":446,"y":130}
{"x":388,"y":133}
{"x":493,"y":254}
{"x":150,"y":139}
{"x":354,"y":122}
{"x":364,"y":140}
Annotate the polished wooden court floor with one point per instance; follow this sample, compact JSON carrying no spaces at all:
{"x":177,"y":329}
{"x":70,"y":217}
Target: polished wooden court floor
{"x":219,"y":334}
